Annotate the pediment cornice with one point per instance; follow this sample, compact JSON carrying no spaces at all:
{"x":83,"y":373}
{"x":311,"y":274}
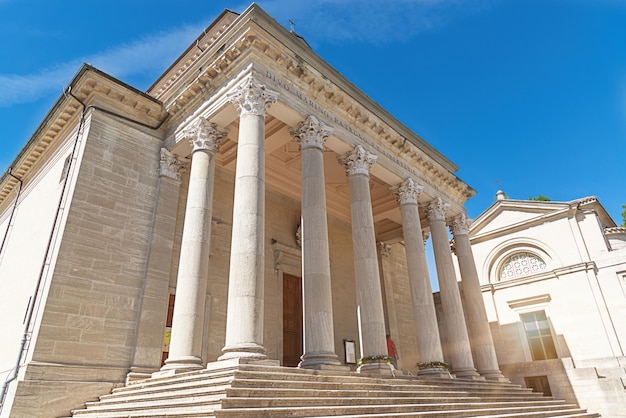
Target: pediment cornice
{"x":254,"y":36}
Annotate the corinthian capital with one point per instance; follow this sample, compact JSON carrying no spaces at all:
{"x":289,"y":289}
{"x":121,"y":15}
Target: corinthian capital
{"x":170,"y":166}
{"x":205,"y":135}
{"x":384,"y":249}
{"x":252,"y":98}
{"x":357,"y":161}
{"x":407,"y":192}
{"x":460,"y":225}
{"x":437,"y":209}
{"x":311,"y":133}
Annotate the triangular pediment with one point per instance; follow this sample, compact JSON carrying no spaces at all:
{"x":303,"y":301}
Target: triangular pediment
{"x":505,"y":214}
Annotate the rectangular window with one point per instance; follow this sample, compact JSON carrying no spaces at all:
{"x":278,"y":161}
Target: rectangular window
{"x":66,"y":168}
{"x":539,"y":335}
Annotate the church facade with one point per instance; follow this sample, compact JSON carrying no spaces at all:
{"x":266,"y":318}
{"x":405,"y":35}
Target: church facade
{"x":553,"y":276}
{"x":252,"y":205}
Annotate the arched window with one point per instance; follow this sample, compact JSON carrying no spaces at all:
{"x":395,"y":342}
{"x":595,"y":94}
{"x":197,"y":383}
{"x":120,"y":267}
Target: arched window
{"x":521,"y":264}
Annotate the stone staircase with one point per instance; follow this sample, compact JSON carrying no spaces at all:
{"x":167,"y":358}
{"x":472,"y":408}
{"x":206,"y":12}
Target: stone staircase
{"x":231,"y":389}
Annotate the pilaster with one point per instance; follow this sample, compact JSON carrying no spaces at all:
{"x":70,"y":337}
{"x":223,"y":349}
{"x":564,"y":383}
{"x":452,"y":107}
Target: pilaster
{"x":155,"y":294}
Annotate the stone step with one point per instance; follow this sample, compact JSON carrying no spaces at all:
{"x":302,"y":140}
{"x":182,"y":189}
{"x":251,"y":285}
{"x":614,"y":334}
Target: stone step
{"x":305,"y":374}
{"x":244,"y":390}
{"x":164,"y":398}
{"x":365,"y":385}
{"x":182,"y":409}
{"x":439,"y":402}
{"x":422,"y":410}
{"x":451,"y":414}
{"x":192,"y":387}
{"x":195,"y":376}
{"x":263,"y":392}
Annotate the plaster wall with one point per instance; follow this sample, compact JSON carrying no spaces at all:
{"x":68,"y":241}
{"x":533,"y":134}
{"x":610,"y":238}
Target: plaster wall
{"x":24,"y":250}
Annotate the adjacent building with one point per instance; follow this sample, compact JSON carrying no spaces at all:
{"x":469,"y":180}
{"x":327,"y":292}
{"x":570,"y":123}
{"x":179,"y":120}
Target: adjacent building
{"x":553,"y":276}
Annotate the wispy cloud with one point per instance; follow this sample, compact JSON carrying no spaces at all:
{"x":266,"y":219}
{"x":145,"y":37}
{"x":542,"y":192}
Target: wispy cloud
{"x":152,"y":53}
{"x":370,"y":21}
{"x":323,"y":21}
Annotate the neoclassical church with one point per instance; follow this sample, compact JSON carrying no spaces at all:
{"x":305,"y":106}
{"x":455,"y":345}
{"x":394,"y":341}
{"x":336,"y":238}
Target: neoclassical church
{"x":251,"y":212}
{"x":553,"y":276}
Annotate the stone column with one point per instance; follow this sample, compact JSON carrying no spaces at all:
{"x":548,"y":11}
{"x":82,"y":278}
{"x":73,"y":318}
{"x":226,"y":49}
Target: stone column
{"x":244,"y":320}
{"x":477,"y":323}
{"x":458,"y":345}
{"x":369,"y":296}
{"x":188,"y":320}
{"x":319,"y":334}
{"x":428,"y":341}
{"x":155,"y":295}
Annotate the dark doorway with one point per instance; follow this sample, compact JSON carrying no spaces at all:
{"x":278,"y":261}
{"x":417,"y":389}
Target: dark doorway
{"x":538,"y":384}
{"x":292,"y":320}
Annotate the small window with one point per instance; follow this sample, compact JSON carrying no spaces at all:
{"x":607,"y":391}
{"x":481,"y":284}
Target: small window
{"x":539,"y":335}
{"x":66,"y":168}
{"x":521,"y":264}
{"x":168,"y":329}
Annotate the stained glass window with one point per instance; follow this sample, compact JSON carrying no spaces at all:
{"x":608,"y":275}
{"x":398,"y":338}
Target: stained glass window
{"x":521,"y":264}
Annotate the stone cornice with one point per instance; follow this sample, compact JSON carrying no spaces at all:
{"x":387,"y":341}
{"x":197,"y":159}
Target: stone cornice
{"x":96,"y":90}
{"x":557,"y":273}
{"x":161,"y":87}
{"x":254,"y":32}
{"x":475,"y":238}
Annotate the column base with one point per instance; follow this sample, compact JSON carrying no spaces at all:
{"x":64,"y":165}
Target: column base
{"x":247,"y":351}
{"x":139,"y":373}
{"x":325,"y":361}
{"x":494,"y":376}
{"x":435,"y":372}
{"x":467,"y":373}
{"x":378,"y":369}
{"x":233,"y":363}
{"x":178,"y":365}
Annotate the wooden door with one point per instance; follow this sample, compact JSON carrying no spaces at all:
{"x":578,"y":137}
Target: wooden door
{"x":292,"y":320}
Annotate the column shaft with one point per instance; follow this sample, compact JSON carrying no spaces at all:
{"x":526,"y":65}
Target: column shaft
{"x":456,"y":337}
{"x":244,"y":320}
{"x":319,"y":334}
{"x":188,"y":318}
{"x":477,"y":323}
{"x":428,"y":340}
{"x":369,"y":296}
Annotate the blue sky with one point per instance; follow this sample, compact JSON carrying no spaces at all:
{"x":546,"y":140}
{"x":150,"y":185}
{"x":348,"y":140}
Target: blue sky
{"x":527,"y":96}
